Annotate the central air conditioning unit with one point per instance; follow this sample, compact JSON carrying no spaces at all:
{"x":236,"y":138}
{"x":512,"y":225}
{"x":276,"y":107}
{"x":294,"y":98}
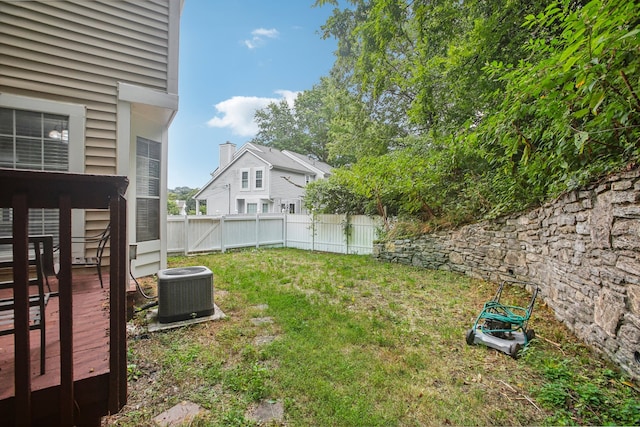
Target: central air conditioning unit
{"x":184,"y":293}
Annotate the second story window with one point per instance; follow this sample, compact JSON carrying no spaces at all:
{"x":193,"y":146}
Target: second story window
{"x":259,"y":179}
{"x":245,"y":179}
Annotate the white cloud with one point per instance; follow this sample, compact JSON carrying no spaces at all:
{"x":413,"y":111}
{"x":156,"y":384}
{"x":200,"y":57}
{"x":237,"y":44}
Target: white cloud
{"x":289,"y":95}
{"x":259,"y":37}
{"x":237,"y":113}
{"x":263,"y":32}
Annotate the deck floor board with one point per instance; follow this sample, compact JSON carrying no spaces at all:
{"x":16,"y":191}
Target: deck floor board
{"x":90,"y":338}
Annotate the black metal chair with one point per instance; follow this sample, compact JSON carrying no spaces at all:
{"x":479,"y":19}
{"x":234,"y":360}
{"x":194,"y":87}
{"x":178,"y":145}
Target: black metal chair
{"x":37,"y":304}
{"x":101,"y":241}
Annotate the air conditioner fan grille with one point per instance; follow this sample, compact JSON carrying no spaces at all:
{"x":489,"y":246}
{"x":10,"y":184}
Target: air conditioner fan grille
{"x":184,"y":271}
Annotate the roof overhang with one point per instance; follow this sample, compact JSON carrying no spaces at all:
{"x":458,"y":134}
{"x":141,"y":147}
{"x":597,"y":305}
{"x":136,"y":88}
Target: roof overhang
{"x":153,"y":104}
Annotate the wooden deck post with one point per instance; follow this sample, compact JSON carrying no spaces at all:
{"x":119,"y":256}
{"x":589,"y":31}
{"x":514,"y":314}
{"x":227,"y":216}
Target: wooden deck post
{"x":117,"y":301}
{"x":21,"y":308}
{"x":66,"y":316}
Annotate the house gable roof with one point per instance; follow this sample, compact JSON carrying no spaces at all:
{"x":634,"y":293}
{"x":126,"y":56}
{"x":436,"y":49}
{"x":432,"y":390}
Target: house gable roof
{"x":275,"y":158}
{"x":320,"y":168}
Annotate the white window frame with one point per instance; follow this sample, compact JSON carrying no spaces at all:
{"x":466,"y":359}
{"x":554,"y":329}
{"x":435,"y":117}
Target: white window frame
{"x":242,"y":186}
{"x":140,"y":179}
{"x":77,"y":114}
{"x":77,"y":119}
{"x":255,"y":179}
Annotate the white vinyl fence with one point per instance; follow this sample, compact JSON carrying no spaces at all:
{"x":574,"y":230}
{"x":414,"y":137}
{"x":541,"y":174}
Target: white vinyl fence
{"x":328,"y":233}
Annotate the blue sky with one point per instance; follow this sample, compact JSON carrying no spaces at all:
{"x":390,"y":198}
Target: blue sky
{"x":237,"y":56}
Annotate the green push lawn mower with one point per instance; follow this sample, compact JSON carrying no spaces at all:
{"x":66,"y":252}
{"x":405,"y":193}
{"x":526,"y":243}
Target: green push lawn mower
{"x":503,"y":327}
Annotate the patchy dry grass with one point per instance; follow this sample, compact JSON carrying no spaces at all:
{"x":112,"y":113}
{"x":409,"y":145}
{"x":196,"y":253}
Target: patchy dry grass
{"x":362,"y":343}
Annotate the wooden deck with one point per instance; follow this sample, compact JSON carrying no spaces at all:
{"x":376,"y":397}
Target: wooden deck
{"x":91,"y":343}
{"x":86,"y":348}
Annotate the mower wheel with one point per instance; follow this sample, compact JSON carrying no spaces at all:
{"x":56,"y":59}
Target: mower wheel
{"x":514,"y":350}
{"x":531,"y":334}
{"x":471,"y":335}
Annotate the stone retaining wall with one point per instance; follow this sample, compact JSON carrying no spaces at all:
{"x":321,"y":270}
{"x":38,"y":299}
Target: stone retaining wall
{"x":582,"y":250}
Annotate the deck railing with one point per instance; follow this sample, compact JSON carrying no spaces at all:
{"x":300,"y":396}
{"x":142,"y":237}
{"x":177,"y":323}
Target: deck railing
{"x":24,"y":190}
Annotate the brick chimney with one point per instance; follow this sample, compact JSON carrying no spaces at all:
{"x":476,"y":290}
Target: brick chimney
{"x":227,"y":150}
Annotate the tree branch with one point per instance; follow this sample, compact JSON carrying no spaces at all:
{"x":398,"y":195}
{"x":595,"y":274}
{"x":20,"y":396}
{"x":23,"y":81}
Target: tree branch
{"x":633,"y":92}
{"x":288,"y":179}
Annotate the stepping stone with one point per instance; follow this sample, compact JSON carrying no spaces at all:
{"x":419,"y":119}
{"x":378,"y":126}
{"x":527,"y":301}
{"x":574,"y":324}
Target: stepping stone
{"x":264,"y":340}
{"x":261,"y":320}
{"x":180,"y":414}
{"x":267,"y":411}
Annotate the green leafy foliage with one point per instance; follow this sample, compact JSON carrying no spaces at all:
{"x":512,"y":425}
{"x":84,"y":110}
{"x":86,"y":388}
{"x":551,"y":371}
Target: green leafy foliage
{"x":571,"y":112}
{"x":494,"y":106}
{"x":186,"y":194}
{"x":585,"y":397}
{"x":333,"y":195}
{"x":303,"y":126}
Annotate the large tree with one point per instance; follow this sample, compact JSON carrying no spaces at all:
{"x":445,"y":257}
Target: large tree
{"x":415,"y":73}
{"x":422,"y":61}
{"x":303,"y":127}
{"x":278,"y":128}
{"x":328,"y":122}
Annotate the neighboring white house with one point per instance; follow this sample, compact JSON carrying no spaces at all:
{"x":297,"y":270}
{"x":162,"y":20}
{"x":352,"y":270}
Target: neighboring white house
{"x":91,"y":87}
{"x":259,"y":179}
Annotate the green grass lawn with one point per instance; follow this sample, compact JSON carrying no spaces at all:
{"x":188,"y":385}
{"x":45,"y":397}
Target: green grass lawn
{"x":354,"y":342}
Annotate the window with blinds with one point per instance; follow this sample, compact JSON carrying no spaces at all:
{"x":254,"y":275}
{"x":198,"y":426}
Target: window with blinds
{"x":33,"y":140}
{"x":147,"y":189}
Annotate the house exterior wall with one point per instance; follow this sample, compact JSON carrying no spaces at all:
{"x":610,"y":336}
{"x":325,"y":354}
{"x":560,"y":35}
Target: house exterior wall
{"x":218,"y":195}
{"x":225,"y":195}
{"x":285,"y":189}
{"x":285,"y":175}
{"x":81,"y":53}
{"x":222,"y":197}
{"x":77,"y":52}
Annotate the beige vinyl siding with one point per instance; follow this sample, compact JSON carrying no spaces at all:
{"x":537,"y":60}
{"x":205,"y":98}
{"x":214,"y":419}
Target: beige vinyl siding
{"x":77,"y":52}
